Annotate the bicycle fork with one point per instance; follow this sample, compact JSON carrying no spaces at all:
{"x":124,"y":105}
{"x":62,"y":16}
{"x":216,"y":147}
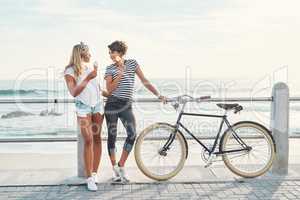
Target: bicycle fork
{"x":166,"y":147}
{"x":163,"y":150}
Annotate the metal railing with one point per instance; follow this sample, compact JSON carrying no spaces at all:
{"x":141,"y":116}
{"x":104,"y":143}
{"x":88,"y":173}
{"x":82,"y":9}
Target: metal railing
{"x":279,"y":123}
{"x":149,"y":100}
{"x":139,"y":100}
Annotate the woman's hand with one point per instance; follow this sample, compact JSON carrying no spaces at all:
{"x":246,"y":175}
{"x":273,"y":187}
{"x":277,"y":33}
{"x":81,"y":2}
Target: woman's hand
{"x":121,"y":71}
{"x":112,"y":84}
{"x":93,"y":74}
{"x":118,"y":59}
{"x":162,"y":99}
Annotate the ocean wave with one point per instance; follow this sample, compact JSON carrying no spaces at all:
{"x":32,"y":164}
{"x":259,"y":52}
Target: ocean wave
{"x":11,"y":92}
{"x":50,"y":113}
{"x":15,"y":114}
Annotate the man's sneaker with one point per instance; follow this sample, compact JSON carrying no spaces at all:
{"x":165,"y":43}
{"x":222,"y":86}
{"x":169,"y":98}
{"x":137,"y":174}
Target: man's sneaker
{"x":124,"y":178}
{"x":95,"y":176}
{"x":116,"y":174}
{"x":91,"y":185}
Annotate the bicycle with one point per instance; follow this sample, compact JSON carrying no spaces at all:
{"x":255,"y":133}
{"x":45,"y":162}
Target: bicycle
{"x":238,"y":145}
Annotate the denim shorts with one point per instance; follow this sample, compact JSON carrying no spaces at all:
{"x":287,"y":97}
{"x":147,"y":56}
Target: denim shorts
{"x":83,"y":110}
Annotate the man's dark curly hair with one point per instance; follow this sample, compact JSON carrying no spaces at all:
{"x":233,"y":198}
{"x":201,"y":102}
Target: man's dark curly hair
{"x":118,"y":46}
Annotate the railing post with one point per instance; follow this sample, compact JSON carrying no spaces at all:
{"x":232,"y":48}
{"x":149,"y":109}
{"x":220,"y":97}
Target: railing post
{"x":280,"y":127}
{"x":80,"y":160}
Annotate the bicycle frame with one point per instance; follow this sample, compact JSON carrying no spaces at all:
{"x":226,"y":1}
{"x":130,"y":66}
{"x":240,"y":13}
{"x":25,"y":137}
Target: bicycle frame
{"x":212,"y":150}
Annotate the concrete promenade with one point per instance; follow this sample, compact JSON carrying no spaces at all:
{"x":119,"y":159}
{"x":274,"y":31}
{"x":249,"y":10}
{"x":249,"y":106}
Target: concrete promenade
{"x":48,"y":171}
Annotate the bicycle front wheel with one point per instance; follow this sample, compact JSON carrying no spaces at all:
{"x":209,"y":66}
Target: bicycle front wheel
{"x":260,"y":149}
{"x":153,"y":159}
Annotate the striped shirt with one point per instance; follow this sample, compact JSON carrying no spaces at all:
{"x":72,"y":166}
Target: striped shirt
{"x":126,"y":84}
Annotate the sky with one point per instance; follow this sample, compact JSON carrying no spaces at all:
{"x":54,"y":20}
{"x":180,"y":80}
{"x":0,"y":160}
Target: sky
{"x":228,"y":39}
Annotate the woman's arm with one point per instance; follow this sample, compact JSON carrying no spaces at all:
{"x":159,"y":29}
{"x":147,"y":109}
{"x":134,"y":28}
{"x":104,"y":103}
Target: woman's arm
{"x":74,"y":89}
{"x":148,"y":85}
{"x":111,"y":84}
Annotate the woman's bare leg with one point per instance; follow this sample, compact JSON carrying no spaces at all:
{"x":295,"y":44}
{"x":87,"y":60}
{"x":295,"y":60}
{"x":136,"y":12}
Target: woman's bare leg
{"x":123,"y":158}
{"x":97,"y":120}
{"x":86,"y":132}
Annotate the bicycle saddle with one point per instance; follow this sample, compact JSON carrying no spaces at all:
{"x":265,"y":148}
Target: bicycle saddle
{"x":228,"y":106}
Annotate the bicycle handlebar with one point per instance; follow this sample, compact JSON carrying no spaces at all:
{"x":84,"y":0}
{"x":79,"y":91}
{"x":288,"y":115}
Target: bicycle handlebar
{"x":204,"y":98}
{"x":182,"y":100}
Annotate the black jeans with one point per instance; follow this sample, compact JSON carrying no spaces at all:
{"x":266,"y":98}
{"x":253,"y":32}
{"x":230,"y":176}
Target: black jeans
{"x":114,"y":109}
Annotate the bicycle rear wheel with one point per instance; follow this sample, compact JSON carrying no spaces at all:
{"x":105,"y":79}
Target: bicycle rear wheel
{"x":152,"y":159}
{"x":258,"y":157}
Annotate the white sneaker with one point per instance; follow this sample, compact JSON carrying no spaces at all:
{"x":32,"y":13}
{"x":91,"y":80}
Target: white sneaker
{"x":123,"y":175}
{"x":95,"y":176}
{"x":116,"y":174}
{"x":91,"y":185}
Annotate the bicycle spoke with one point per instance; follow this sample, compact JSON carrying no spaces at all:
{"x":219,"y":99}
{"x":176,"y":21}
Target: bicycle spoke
{"x":161,"y":164}
{"x":257,"y":158}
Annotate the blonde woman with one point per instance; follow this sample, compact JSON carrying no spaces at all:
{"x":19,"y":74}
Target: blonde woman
{"x":82,"y":84}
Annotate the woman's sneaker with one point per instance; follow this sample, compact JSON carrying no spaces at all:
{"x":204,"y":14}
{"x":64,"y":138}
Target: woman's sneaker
{"x":116,"y":174}
{"x":91,"y":185}
{"x":95,"y":176}
{"x":124,"y":178}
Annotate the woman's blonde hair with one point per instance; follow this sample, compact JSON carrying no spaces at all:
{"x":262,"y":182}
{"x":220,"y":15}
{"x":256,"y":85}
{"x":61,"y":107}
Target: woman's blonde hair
{"x":76,"y":57}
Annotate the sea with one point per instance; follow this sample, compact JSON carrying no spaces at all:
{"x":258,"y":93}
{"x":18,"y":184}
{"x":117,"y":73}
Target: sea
{"x":58,"y":120}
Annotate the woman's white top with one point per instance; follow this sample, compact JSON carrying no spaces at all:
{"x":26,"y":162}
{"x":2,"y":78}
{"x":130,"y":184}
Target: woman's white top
{"x":91,"y":94}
